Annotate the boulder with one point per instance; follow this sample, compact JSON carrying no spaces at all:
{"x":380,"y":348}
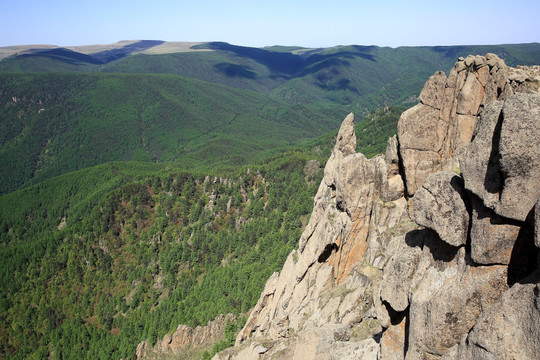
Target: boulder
{"x":471,"y":95}
{"x":393,"y":341}
{"x":417,"y":165}
{"x":520,"y":156}
{"x":432,"y":94}
{"x":366,"y":350}
{"x":492,"y":237}
{"x":479,"y":162}
{"x":502,"y":164}
{"x":444,"y":120}
{"x":508,"y":329}
{"x":447,"y":296}
{"x":392,"y":156}
{"x":400,"y":269}
{"x":319,"y":344}
{"x":439,"y":205}
{"x":395,"y":188}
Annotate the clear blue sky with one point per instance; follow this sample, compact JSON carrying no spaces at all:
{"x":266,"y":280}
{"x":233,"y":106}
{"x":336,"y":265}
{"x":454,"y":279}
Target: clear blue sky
{"x":310,"y":23}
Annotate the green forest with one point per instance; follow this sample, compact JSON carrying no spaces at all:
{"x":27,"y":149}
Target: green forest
{"x":53,"y":123}
{"x":97,"y":260}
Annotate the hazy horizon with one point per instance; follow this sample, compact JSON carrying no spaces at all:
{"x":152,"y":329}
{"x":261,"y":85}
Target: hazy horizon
{"x":263,"y":46}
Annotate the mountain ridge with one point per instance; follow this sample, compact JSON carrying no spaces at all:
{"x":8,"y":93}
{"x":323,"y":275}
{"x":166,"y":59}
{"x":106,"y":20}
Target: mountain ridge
{"x":53,"y":123}
{"x":360,"y":77}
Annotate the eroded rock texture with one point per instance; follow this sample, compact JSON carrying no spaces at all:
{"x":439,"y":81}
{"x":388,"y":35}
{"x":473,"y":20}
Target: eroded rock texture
{"x":442,"y":265}
{"x":445,"y":119}
{"x":325,"y":283}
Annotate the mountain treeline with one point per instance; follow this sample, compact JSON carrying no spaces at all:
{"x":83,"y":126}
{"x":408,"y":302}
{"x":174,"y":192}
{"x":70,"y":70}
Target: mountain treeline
{"x":357,"y":78}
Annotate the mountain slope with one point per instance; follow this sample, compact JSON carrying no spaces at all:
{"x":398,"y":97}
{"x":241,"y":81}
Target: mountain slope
{"x":97,"y":260}
{"x":360,"y":78}
{"x":55,"y":123}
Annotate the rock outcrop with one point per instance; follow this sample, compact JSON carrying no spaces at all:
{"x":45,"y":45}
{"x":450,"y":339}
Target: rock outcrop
{"x":428,"y":252}
{"x":324,"y":283}
{"x":508,"y":329}
{"x":184,"y":339}
{"x":445,"y":119}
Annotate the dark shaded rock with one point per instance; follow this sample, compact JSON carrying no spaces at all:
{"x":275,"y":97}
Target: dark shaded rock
{"x":502,"y":164}
{"x":479,"y":164}
{"x":520,"y":156}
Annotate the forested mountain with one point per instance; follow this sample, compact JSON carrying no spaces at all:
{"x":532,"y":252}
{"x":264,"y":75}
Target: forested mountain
{"x":97,"y":260}
{"x":250,"y":100}
{"x":143,"y":186}
{"x":359,"y":78}
{"x":54,"y":123}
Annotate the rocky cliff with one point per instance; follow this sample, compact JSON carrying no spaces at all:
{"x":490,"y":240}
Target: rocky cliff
{"x":185,"y":342}
{"x":428,"y":252}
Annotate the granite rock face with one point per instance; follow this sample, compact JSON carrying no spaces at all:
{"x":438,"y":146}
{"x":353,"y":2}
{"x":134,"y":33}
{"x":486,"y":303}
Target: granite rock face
{"x":439,"y":205}
{"x":441,"y":263}
{"x":502,"y":164}
{"x":447,"y":296}
{"x":492,"y":236}
{"x":509,"y":328}
{"x":445,"y":119}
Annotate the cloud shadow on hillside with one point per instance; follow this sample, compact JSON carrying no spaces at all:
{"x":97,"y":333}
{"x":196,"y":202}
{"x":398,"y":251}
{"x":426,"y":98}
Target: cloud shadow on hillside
{"x":281,"y":62}
{"x":115,"y":54}
{"x":235,"y":70}
{"x":287,"y":65}
{"x":64,"y":55}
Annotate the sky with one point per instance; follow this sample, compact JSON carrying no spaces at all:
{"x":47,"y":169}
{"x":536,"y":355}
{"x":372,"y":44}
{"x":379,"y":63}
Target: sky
{"x":308,"y":23}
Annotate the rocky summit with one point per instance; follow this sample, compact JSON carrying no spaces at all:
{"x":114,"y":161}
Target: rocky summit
{"x":427,"y":252}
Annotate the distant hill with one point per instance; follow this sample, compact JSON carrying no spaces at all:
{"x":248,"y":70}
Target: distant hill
{"x":359,"y":78}
{"x":144,"y":100}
